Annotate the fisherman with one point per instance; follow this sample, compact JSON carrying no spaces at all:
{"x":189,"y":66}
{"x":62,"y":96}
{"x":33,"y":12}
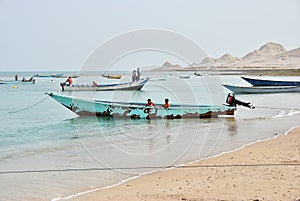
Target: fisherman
{"x":150,"y":103}
{"x":134,"y":77}
{"x":138,"y":73}
{"x":69,"y":81}
{"x":232,"y":101}
{"x":167,"y":104}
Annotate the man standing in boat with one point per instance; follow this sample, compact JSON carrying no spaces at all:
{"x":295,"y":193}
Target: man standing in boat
{"x":138,"y":74}
{"x":134,"y":78}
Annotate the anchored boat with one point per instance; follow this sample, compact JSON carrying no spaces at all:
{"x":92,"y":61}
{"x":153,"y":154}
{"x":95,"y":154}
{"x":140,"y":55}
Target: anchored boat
{"x":30,"y":81}
{"x":264,"y":82}
{"x":262,"y":89}
{"x":88,"y":107}
{"x":114,"y":76}
{"x":105,"y":87}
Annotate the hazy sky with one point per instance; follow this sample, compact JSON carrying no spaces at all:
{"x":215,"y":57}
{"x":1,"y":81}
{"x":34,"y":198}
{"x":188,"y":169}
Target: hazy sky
{"x":52,"y":35}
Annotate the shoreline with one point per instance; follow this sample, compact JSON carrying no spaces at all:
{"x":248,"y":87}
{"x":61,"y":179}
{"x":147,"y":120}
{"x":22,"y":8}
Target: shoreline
{"x":178,"y":187}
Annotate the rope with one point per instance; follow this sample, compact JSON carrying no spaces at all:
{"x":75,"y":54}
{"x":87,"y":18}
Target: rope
{"x":150,"y":167}
{"x":31,"y":106}
{"x":277,"y":108}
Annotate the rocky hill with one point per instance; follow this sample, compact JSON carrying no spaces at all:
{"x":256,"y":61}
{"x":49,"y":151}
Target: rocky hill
{"x":269,"y":56}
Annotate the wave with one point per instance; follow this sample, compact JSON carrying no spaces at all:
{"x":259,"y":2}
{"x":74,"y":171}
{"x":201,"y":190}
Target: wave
{"x":286,"y":113}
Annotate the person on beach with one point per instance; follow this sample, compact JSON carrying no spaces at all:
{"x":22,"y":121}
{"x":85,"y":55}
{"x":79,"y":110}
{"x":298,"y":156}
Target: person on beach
{"x":167,"y":104}
{"x":69,"y":81}
{"x":138,"y":73}
{"x":16,"y":77}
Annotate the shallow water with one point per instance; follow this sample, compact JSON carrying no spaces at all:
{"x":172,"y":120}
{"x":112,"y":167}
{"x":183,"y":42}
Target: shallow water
{"x":47,"y":151}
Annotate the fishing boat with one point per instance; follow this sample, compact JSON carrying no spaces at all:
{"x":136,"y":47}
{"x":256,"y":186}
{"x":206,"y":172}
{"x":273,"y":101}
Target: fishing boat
{"x":159,"y":78}
{"x":265,"y":82}
{"x":65,"y":76}
{"x":184,"y":76}
{"x":92,"y":107}
{"x":105,"y":87}
{"x":16,"y":82}
{"x":115,"y":76}
{"x":23,"y":81}
{"x":48,"y":75}
{"x":262,"y":89}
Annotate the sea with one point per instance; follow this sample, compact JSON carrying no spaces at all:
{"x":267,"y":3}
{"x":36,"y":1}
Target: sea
{"x":49,"y":153}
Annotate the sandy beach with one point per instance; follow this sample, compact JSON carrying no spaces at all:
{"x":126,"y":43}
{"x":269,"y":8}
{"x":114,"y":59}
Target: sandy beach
{"x":266,"y":170}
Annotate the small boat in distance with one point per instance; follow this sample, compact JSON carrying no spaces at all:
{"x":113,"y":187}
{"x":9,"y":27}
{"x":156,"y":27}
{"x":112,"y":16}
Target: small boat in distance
{"x":23,"y":81}
{"x":184,"y":76}
{"x":262,"y":89}
{"x":105,"y":87}
{"x":159,"y":78}
{"x":49,"y":75}
{"x":92,"y":107}
{"x":265,"y":82}
{"x":114,"y":76}
{"x":65,"y":76}
{"x":17,"y":82}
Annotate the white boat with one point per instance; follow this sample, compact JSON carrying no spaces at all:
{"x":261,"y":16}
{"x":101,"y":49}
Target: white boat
{"x":105,"y":87}
{"x":262,"y":89}
{"x":184,"y":76}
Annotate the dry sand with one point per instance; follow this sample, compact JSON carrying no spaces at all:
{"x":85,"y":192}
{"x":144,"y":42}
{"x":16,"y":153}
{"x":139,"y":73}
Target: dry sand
{"x":267,"y":170}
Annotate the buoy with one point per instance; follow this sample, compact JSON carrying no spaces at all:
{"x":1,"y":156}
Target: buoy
{"x":14,"y":86}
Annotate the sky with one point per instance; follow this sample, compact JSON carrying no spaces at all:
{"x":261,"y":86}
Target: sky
{"x":59,"y":35}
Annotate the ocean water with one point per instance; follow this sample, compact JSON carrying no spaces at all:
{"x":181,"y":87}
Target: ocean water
{"x":47,"y":152}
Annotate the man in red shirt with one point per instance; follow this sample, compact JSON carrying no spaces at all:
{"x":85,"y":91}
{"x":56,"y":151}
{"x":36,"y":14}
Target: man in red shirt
{"x":150,"y":103}
{"x":69,"y":81}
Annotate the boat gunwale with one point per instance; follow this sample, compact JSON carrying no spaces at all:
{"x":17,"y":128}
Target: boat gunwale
{"x":140,"y":105}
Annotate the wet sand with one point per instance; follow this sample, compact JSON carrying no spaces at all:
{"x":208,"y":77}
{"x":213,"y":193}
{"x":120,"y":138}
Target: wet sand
{"x":266,"y":170}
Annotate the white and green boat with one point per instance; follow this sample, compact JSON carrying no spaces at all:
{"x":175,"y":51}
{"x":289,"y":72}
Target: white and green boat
{"x":94,"y":107}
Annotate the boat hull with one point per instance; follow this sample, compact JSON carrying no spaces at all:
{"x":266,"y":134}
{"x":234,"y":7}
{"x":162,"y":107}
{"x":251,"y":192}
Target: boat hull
{"x":262,"y":89}
{"x":16,"y":82}
{"x":113,"y":76}
{"x":86,"y":107}
{"x":107,"y":87}
{"x":261,"y":82}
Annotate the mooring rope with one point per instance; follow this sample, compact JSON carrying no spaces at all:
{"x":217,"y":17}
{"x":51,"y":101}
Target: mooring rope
{"x":276,"y":108}
{"x":31,"y":106}
{"x":147,"y":167}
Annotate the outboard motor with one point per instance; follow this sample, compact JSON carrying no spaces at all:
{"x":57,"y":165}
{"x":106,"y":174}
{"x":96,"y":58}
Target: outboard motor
{"x":62,"y":84}
{"x":232,"y":101}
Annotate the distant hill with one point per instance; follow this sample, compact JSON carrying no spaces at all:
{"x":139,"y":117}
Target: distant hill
{"x":269,"y":49}
{"x":269,"y":56}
